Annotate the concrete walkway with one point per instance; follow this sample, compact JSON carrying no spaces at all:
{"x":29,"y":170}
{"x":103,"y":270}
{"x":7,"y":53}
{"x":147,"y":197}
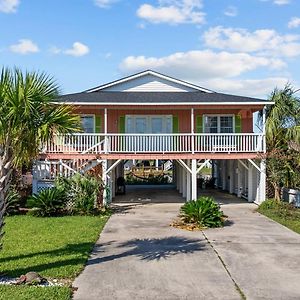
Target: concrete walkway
{"x":139,"y":256}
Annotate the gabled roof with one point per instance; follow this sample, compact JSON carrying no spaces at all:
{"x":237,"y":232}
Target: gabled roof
{"x":148,"y":72}
{"x":158,"y":98}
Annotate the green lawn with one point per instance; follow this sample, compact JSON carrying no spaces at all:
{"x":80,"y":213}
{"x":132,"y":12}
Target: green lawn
{"x":33,"y":293}
{"x":54,"y":247}
{"x":282,"y":213}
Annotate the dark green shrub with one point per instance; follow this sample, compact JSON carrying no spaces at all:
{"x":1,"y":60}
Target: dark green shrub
{"x":204,"y":212}
{"x":49,"y":202}
{"x":270,"y":204}
{"x":80,"y":193}
{"x":13,"y":201}
{"x":281,"y":209}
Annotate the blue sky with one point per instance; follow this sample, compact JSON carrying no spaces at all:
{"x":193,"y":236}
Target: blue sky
{"x":239,"y":47}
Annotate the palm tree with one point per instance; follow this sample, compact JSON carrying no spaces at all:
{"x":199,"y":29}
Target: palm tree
{"x":28,"y":118}
{"x":282,"y":136}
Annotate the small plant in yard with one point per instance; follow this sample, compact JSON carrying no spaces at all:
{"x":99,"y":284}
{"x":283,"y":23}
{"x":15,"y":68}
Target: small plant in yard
{"x":76,"y":195}
{"x":12,"y":200}
{"x":49,"y":202}
{"x":204,"y":212}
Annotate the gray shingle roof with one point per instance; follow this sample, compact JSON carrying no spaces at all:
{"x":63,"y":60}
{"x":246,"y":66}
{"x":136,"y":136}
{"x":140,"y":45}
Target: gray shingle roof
{"x":154,"y":97}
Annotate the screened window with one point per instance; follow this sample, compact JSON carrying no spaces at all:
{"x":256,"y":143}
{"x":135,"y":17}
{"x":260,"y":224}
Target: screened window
{"x":87,"y":124}
{"x":211,"y":124}
{"x":218,"y":124}
{"x":226,"y":124}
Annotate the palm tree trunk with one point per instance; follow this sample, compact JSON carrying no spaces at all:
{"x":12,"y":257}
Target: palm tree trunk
{"x":277,"y":192}
{"x":5,"y":176}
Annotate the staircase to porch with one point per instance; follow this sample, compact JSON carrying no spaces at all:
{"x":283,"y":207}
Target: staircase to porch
{"x":45,"y":171}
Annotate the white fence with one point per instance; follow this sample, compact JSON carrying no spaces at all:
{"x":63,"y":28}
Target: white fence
{"x":156,"y":143}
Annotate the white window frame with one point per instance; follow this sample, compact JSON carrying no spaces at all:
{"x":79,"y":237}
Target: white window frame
{"x":148,"y":121}
{"x":219,"y":121}
{"x":89,"y":115}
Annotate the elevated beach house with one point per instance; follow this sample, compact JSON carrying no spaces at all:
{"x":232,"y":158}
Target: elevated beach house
{"x":150,"y":116}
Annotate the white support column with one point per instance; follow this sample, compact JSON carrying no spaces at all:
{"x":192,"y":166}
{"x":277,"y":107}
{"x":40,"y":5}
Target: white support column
{"x":105,"y":131}
{"x":113,"y":178}
{"x":180,"y":178}
{"x":232,"y":175}
{"x":105,"y":183}
{"x":239,"y":180}
{"x":188,"y":182}
{"x":110,"y":179}
{"x":250,"y":183}
{"x":194,"y":179}
{"x":177,"y":175}
{"x":262,"y":181}
{"x":264,"y":130}
{"x":224,"y":177}
{"x":193,"y":130}
{"x":184,"y":181}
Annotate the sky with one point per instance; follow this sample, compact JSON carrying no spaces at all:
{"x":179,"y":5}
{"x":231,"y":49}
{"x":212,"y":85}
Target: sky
{"x":243,"y":47}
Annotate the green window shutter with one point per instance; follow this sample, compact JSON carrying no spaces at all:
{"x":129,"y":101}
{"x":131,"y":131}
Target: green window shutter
{"x":122,"y":124}
{"x":98,"y":124}
{"x":175,"y":124}
{"x":238,"y":124}
{"x":199,"y":124}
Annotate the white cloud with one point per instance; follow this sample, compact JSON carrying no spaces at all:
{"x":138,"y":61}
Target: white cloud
{"x":9,"y":6}
{"x":24,"y":46}
{"x":214,"y":70}
{"x":105,"y":3}
{"x":246,"y":87}
{"x":294,"y":22}
{"x":173,"y":12}
{"x":77,"y":50}
{"x":282,"y":2}
{"x":55,"y":50}
{"x":278,"y":2}
{"x":200,"y":65}
{"x":231,"y":11}
{"x":262,"y":40}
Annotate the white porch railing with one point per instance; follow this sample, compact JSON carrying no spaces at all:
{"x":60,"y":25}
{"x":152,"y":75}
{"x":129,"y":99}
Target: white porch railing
{"x":76,"y":143}
{"x":156,"y":143}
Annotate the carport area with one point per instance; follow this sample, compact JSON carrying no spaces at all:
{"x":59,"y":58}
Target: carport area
{"x":150,"y":194}
{"x":191,"y":178}
{"x":140,"y":256}
{"x":143,"y":194}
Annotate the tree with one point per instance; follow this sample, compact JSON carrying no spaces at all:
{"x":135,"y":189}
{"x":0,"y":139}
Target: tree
{"x":28,"y":118}
{"x":283,"y":138}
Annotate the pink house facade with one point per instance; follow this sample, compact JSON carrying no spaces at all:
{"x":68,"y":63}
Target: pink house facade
{"x":153,"y":116}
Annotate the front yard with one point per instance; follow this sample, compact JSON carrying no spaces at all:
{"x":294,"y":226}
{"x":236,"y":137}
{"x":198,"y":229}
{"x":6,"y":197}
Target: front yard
{"x":54,"y":247}
{"x":282,"y":213}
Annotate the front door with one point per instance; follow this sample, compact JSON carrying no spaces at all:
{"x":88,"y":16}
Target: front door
{"x":148,"y":125}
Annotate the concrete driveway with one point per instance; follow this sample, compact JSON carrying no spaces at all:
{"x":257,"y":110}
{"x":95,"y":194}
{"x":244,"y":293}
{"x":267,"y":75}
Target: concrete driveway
{"x":139,"y":256}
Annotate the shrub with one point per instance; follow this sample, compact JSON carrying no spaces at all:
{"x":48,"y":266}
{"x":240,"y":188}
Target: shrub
{"x":270,"y":204}
{"x":281,"y":209}
{"x":13,"y":201}
{"x":204,"y":212}
{"x":80,"y":192}
{"x":48,"y":202}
